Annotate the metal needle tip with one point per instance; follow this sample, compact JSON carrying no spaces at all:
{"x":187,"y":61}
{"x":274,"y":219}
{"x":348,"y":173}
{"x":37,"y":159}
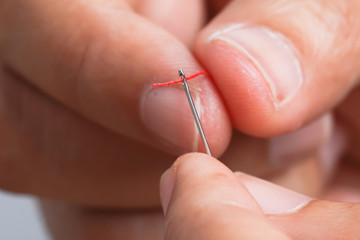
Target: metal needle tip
{"x":194,"y":112}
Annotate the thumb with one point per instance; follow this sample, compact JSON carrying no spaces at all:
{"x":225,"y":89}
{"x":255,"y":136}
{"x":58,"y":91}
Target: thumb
{"x":283,"y":61}
{"x":203,"y":199}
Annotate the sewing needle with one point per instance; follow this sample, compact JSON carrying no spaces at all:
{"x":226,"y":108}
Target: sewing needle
{"x":194,"y":112}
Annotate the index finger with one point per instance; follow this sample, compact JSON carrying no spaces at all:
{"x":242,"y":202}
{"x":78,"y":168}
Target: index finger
{"x":99,"y":58}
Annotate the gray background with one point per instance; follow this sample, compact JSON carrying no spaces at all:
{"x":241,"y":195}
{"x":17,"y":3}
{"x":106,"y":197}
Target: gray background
{"x":20,"y":218}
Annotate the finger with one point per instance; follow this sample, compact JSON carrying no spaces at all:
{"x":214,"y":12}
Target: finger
{"x":276,"y":63}
{"x":184,"y":25}
{"x":50,"y":151}
{"x":259,"y":155}
{"x":216,"y":6}
{"x":67,"y":221}
{"x":349,"y":117}
{"x":99,"y":58}
{"x":345,"y":186}
{"x":204,"y":200}
{"x":303,"y":160}
{"x":312,"y":174}
{"x":322,"y":220}
{"x":316,"y":219}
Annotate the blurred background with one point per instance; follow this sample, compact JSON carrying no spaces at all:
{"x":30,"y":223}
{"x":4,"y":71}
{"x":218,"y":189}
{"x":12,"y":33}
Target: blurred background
{"x":20,"y":218}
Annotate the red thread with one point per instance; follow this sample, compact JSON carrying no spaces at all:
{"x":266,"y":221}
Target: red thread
{"x":180,"y":80}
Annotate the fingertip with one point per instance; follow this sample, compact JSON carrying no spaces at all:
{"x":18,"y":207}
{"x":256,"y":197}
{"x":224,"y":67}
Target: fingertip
{"x":202,"y":179}
{"x":192,"y":165}
{"x":189,"y":167}
{"x":257,"y":105}
{"x":205,"y":196}
{"x":274,"y":73}
{"x":166,"y":113}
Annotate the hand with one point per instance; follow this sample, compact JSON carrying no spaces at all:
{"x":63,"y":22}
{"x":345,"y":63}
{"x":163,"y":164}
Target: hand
{"x":203,"y":199}
{"x":76,"y":97}
{"x":78,"y":114}
{"x":71,"y":140}
{"x":200,"y":178}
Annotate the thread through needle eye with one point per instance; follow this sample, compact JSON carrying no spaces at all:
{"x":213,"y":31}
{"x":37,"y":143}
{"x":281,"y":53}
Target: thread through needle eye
{"x":194,"y":112}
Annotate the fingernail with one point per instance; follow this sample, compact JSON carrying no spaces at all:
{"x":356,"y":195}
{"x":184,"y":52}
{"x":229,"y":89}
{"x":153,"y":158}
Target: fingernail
{"x":272,"y":198}
{"x":299,"y":144}
{"x":167,"y":183}
{"x":271,"y":54}
{"x":166,"y":113}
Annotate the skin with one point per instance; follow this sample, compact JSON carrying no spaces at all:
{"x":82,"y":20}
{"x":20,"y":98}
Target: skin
{"x":72,"y":86}
{"x":239,"y":211}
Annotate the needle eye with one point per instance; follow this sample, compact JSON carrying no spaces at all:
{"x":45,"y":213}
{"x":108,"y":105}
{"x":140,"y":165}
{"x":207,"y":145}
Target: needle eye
{"x":194,"y":112}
